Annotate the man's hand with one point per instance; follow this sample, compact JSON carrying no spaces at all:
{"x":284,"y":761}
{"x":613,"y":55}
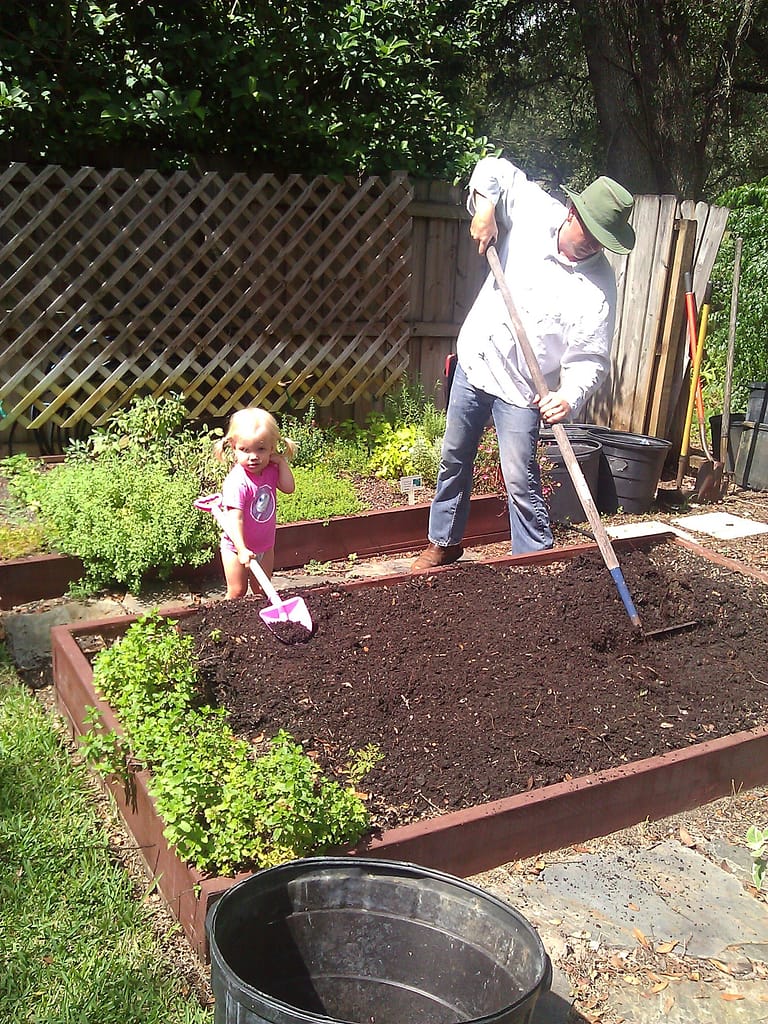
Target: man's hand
{"x":483,"y":227}
{"x":553,"y":407}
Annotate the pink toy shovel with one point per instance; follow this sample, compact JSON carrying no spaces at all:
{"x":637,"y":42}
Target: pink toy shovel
{"x":293,"y":610}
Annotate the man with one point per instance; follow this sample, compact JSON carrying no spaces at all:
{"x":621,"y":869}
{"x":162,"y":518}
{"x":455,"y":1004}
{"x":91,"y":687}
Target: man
{"x":565,"y":293}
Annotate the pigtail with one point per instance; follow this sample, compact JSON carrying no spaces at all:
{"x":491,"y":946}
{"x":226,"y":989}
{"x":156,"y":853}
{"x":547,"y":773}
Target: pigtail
{"x":220,"y":448}
{"x":287,"y":447}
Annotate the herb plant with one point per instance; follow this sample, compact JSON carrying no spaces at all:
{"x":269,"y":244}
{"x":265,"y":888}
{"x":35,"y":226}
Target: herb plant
{"x":757,"y":843}
{"x":224,"y":806}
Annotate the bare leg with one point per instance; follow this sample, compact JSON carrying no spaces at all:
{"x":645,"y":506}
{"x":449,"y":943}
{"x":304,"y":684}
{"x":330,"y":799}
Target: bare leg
{"x":236,"y":575}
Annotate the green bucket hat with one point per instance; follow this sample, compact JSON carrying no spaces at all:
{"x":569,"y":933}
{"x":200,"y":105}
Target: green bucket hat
{"x":604,"y":207}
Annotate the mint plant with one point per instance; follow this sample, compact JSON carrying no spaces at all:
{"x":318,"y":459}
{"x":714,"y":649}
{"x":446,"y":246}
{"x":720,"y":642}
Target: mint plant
{"x":757,"y":842}
{"x":224,"y":806}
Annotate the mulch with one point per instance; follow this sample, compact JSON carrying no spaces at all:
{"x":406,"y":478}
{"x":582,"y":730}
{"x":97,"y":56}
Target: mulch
{"x":479,"y":682}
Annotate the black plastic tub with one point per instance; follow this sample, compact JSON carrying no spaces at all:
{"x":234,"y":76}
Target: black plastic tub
{"x":757,"y":407}
{"x":564,"y":503}
{"x":361,"y":940}
{"x":735,"y":426}
{"x":630,"y":469}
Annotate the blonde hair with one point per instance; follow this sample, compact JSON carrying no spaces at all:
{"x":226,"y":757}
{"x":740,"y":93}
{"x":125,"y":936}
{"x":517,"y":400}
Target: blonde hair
{"x":246,"y":424}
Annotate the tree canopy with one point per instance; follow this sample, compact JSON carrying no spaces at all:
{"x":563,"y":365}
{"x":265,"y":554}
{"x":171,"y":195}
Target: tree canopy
{"x":666,"y":95}
{"x":669,"y":96}
{"x":311,"y":87}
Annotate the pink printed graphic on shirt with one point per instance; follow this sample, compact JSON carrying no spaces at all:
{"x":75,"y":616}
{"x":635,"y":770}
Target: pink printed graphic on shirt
{"x":263,"y":505}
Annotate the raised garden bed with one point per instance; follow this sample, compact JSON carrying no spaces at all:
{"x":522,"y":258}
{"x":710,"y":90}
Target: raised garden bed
{"x":369,"y":533}
{"x":551,"y":805}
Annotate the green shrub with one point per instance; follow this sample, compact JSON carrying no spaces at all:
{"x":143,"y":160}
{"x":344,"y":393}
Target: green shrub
{"x":393,"y":455}
{"x":123,"y":517}
{"x":748,"y":219}
{"x":310,"y":438}
{"x":348,"y":452}
{"x":20,"y":539}
{"x":319,"y":494}
{"x":25,"y":480}
{"x":224,"y":808}
{"x":405,"y":406}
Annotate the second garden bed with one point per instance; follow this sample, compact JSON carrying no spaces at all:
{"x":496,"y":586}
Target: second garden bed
{"x":515,"y":710}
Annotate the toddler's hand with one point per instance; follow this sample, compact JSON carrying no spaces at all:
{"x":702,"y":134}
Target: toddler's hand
{"x":245,"y":555}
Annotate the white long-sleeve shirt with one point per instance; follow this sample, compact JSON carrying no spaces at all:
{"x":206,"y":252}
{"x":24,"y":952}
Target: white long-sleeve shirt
{"x":568,"y":309}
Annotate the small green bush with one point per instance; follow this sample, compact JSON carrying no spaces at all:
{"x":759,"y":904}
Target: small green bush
{"x":310,"y":438}
{"x":19,"y":540}
{"x":24,"y":477}
{"x":124,"y":518}
{"x":748,"y":219}
{"x":319,"y":494}
{"x":224,"y":808}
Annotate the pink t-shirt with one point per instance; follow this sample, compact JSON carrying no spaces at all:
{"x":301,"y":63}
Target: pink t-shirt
{"x":256,"y":495}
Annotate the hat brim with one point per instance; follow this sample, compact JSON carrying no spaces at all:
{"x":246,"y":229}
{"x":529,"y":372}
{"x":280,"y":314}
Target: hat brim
{"x":621,"y":241}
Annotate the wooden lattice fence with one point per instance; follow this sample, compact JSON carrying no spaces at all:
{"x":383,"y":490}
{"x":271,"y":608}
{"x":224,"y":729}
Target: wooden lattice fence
{"x":234,"y":291}
{"x":285,"y":291}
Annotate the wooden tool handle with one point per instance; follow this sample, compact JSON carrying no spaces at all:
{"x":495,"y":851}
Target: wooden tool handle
{"x":569,"y":457}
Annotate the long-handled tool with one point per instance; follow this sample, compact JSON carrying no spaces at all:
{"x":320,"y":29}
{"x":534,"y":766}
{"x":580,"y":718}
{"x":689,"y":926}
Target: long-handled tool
{"x":697,"y":330}
{"x":574,"y":469}
{"x":693,"y":394}
{"x":722,"y":475}
{"x":707,"y":486}
{"x":293,"y":610}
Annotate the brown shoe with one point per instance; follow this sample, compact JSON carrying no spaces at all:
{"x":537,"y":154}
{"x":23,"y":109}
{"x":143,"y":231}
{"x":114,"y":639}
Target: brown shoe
{"x":432,"y":556}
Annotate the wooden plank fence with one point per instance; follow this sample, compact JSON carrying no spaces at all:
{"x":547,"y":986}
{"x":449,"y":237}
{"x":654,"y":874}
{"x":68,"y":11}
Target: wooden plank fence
{"x":283,"y":292}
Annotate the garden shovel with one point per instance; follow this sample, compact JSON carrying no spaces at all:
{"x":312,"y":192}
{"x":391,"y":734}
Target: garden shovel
{"x":580,"y":484}
{"x":293,"y":610}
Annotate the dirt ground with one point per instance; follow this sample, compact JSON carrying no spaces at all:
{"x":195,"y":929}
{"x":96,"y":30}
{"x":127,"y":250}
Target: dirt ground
{"x":593,"y":973}
{"x":479,"y":682}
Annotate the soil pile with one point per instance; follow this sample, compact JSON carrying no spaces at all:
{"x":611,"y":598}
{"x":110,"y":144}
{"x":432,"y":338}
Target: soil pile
{"x":480,"y":682}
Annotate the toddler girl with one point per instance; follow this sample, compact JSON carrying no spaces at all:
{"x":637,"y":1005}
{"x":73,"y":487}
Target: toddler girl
{"x":249,"y":495}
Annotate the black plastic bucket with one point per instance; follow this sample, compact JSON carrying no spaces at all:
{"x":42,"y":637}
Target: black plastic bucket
{"x":630,"y":469}
{"x":757,"y":406}
{"x":564,"y":503}
{"x":361,"y":940}
{"x":735,"y":426}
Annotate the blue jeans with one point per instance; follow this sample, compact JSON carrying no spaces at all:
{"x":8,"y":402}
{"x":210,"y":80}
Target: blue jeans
{"x":469,"y":410}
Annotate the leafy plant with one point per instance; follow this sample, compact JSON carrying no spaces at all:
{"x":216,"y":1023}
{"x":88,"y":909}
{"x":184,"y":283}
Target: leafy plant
{"x":757,"y":842}
{"x":122,"y":499}
{"x":310,"y":438}
{"x":223,"y":806}
{"x":19,"y":540}
{"x":393,"y":455}
{"x":24,"y":479}
{"x":749,"y":220}
{"x":487,"y":471}
{"x":315,"y":568}
{"x":319,"y":494}
{"x":405,"y":405}
{"x":124,"y":517}
{"x":488,"y":478}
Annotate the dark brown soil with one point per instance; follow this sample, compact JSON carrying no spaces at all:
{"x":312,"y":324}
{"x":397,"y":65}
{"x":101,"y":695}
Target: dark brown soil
{"x":481,"y":682}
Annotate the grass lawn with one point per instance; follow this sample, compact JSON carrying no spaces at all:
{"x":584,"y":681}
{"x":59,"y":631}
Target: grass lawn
{"x":76,"y":945}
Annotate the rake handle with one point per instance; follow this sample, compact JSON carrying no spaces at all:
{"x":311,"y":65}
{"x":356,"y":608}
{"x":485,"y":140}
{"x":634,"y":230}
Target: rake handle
{"x":569,"y":457}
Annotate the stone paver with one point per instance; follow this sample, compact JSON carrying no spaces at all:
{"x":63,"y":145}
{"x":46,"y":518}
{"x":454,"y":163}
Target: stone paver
{"x":709,"y":935}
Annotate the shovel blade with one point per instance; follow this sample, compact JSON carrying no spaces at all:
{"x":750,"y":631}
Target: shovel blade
{"x":292,"y":610}
{"x":709,"y":482}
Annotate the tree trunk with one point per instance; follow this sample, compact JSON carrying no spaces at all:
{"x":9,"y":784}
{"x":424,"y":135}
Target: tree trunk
{"x":638,"y":56}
